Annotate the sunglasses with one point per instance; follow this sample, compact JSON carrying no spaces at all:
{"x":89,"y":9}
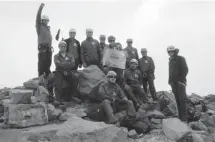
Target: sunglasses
{"x":111,"y":76}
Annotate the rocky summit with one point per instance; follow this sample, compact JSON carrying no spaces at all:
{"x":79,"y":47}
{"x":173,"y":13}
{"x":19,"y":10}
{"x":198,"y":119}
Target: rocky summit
{"x":27,"y":116}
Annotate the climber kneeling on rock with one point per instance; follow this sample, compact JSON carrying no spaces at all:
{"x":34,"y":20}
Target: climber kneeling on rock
{"x":114,"y":100}
{"x":65,"y":78}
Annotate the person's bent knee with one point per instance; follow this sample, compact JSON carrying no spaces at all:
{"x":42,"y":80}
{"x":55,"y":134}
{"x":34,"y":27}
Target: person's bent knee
{"x":106,"y":101}
{"x":129,"y":102}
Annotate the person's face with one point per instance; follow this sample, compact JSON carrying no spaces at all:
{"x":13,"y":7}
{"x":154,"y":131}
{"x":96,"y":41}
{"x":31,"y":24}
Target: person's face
{"x":133,"y":66}
{"x":129,"y":43}
{"x":89,"y":34}
{"x":72,"y":34}
{"x":62,"y":48}
{"x":45,"y":22}
{"x":112,"y":42}
{"x":119,"y":47}
{"x":144,"y":53}
{"x":171,"y":53}
{"x":112,"y":79}
{"x":102,"y":40}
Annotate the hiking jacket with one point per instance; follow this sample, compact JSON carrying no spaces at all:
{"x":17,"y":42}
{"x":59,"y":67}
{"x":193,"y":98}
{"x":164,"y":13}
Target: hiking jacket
{"x":74,"y":48}
{"x":146,"y":65}
{"x":131,"y":53}
{"x":43,"y":31}
{"x":133,"y":78}
{"x":178,"y":69}
{"x":66,"y":63}
{"x":110,"y":91}
{"x":90,"y":51}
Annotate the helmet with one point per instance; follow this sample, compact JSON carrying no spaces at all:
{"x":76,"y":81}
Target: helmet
{"x":44,"y":17}
{"x":111,"y":73}
{"x":72,"y":31}
{"x":102,"y":37}
{"x":61,"y":43}
{"x":111,"y":38}
{"x":129,"y":40}
{"x":143,"y":50}
{"x":134,"y":61}
{"x":170,"y":48}
{"x":89,"y":30}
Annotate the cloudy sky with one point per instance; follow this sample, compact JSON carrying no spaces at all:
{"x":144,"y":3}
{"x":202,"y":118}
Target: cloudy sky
{"x":154,"y":24}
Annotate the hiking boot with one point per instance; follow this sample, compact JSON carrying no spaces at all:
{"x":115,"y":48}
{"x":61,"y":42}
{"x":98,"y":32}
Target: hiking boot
{"x":113,"y":120}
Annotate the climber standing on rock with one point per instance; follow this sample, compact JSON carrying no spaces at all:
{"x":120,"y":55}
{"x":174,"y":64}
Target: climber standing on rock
{"x":147,"y":68}
{"x":73,"y":47}
{"x":178,"y":71}
{"x":91,"y":53}
{"x":64,"y":76}
{"x":131,"y":52}
{"x":114,"y":100}
{"x":44,"y":43}
{"x":102,"y":39}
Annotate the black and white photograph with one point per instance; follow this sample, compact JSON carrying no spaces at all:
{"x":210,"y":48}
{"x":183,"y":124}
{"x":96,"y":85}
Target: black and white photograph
{"x":107,"y":71}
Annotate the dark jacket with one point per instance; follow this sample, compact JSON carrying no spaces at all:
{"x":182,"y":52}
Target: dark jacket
{"x":146,"y":65}
{"x":43,"y":31}
{"x":66,"y":63}
{"x":178,"y":69}
{"x":110,"y":91}
{"x":133,"y":78}
{"x":90,"y":51}
{"x":131,"y":53}
{"x":74,"y":47}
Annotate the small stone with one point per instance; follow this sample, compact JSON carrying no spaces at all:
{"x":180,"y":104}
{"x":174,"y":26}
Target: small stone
{"x":132,"y":134}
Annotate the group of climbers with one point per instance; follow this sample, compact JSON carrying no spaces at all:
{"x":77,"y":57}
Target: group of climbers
{"x":125,"y":89}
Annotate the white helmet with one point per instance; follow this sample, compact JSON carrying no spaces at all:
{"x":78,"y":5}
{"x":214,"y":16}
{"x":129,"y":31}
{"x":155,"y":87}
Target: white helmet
{"x":170,"y":48}
{"x":61,"y":43}
{"x":111,"y":73}
{"x":134,"y":61}
{"x":72,"y":31}
{"x":44,"y":17}
{"x":143,"y":50}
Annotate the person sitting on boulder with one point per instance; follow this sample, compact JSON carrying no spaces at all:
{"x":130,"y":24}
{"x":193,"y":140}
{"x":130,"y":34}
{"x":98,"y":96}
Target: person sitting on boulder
{"x":65,"y":79}
{"x":114,"y":100}
{"x":133,"y":82}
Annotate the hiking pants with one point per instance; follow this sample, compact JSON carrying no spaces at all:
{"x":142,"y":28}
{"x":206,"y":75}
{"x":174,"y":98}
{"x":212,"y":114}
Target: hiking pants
{"x":150,"y":81}
{"x":181,"y":100}
{"x":44,"y":59}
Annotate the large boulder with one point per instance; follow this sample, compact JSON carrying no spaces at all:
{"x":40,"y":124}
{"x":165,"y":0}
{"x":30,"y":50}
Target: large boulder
{"x":209,"y":98}
{"x":32,"y":83}
{"x":89,"y":78}
{"x":195,"y":98}
{"x":25,"y":115}
{"x":208,"y":120}
{"x":41,"y":94}
{"x":20,"y":96}
{"x":76,"y":129}
{"x":174,"y":129}
{"x":198,"y":125}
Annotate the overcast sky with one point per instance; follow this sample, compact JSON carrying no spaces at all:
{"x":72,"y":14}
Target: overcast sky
{"x":154,"y":24}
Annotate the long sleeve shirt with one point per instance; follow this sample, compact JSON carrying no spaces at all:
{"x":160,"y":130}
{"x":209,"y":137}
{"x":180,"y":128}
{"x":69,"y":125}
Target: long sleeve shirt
{"x":43,"y":31}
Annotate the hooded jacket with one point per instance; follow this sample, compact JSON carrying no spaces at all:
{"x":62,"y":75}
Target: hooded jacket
{"x":178,"y":68}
